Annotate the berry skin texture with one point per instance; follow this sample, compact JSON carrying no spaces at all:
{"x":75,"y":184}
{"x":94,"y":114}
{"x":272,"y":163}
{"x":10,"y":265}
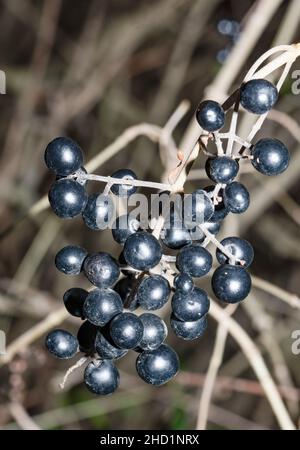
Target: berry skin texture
{"x":101,"y":269}
{"x":239,"y":248}
{"x":270,"y":156}
{"x":101,"y":305}
{"x":190,"y":307}
{"x":142,"y":251}
{"x":74,"y":299}
{"x":153,"y":292}
{"x":188,"y":330}
{"x":198,"y":207}
{"x":231,"y":284}
{"x":155,"y":331}
{"x":210,"y":115}
{"x":158,"y":366}
{"x":69,"y":260}
{"x":123,"y":190}
{"x":62,"y":344}
{"x":67,"y":198}
{"x":123,"y":227}
{"x":126,"y":330}
{"x":221,"y":169}
{"x":258,"y":96}
{"x":98,"y":211}
{"x":101,"y":377}
{"x":86,"y":336}
{"x":184,"y":283}
{"x":63,"y":156}
{"x":106,"y":348}
{"x":236,"y":197}
{"x":175,"y":235}
{"x":194,"y":260}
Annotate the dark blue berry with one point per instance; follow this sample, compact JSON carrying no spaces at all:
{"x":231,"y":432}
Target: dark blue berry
{"x":67,"y":198}
{"x":270,"y":156}
{"x":63,"y":156}
{"x":221,"y":211}
{"x":190,"y":306}
{"x":231,"y":284}
{"x":158,"y":366}
{"x":69,"y":259}
{"x":239,"y":248}
{"x":198,"y":207}
{"x":221,"y":169}
{"x":212,"y":227}
{"x":188,"y":330}
{"x":194,"y":260}
{"x":174,"y":234}
{"x":98,"y":212}
{"x":152,"y":292}
{"x":62,"y":344}
{"x":101,"y":305}
{"x":123,"y":227}
{"x":210,"y":115}
{"x":101,"y":377}
{"x":258,"y":96}
{"x":86,"y":337}
{"x":126,"y":330}
{"x":155,"y":331}
{"x":74,"y":299}
{"x":123,"y":190}
{"x":236,"y":197}
{"x":142,"y":251}
{"x":184,"y":282}
{"x":101,"y":269}
{"x":105,"y":347}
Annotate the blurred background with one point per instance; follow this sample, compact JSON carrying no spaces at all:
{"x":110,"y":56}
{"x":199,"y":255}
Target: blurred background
{"x":90,"y":70}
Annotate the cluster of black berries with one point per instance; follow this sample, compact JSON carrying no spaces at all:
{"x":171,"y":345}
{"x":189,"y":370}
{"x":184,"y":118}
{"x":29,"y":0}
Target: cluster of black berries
{"x":111,"y":327}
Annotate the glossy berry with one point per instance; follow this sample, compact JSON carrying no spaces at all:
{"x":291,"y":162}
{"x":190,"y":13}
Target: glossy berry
{"x":74,"y":299}
{"x":123,"y":227}
{"x":106,"y":348}
{"x":101,"y":269}
{"x":188,"y":330}
{"x":194,"y":260}
{"x":101,"y":377}
{"x":191,"y":306}
{"x":157,"y":366}
{"x":198,"y":207}
{"x":239,"y":248}
{"x":231,"y":284}
{"x":62,"y":344}
{"x":184,"y":283}
{"x":67,"y":198}
{"x":210,"y":115}
{"x":101,"y":305}
{"x":98,"y":211}
{"x":221,"y":169}
{"x":174,"y":234}
{"x":63,"y":156}
{"x":258,"y":96}
{"x":69,"y":260}
{"x":236,"y":197}
{"x":123,"y":190}
{"x":212,"y":227}
{"x":142,"y":251}
{"x":154,"y":333}
{"x":126,"y":330}
{"x":153,"y":292}
{"x":270,"y":156}
{"x":221,"y":211}
{"x":86,"y":337}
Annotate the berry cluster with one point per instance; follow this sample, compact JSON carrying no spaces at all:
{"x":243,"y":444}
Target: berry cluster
{"x":144,"y":275}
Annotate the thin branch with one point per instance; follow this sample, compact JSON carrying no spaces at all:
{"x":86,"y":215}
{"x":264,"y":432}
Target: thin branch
{"x":257,"y":363}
